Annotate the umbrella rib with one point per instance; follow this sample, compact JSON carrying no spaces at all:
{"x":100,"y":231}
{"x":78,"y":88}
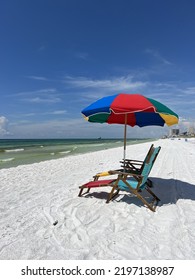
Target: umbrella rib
{"x":132,"y":112}
{"x":99,"y":113}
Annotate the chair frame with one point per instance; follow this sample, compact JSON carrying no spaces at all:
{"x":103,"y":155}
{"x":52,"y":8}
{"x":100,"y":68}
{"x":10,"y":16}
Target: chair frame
{"x":123,"y":176}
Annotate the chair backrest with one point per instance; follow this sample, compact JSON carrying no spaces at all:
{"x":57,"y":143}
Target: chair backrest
{"x":149,"y":164}
{"x":125,"y":162}
{"x":149,"y":152}
{"x":140,"y":182}
{"x":148,"y":157}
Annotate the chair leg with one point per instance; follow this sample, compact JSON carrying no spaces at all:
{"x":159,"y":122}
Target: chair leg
{"x":155,"y":196}
{"x":149,"y":183}
{"x":81,"y":191}
{"x":113,"y":194}
{"x":151,"y":206}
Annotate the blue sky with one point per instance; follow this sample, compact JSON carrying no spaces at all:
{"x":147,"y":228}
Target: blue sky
{"x":58,"y":56}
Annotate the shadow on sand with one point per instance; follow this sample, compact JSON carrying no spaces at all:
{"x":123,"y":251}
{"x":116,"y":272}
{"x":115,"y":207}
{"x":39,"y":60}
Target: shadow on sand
{"x":168,"y":190}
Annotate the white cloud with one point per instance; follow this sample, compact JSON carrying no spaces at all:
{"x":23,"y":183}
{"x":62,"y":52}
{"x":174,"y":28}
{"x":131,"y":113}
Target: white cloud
{"x":3,"y":126}
{"x":158,"y":56}
{"x":37,"y":78}
{"x":186,"y":123}
{"x":48,"y":99}
{"x":116,"y":83}
{"x":54,"y":128}
{"x":62,"y":112}
{"x":189,"y":91}
{"x":47,"y":95}
{"x":78,"y":127}
{"x":34,"y":92}
{"x":58,"y":112}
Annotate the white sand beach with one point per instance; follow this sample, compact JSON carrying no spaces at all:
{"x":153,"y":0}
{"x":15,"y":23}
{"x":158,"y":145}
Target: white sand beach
{"x":35,"y":197}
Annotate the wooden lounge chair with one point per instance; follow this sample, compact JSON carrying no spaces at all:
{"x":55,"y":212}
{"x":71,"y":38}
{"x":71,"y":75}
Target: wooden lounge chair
{"x":128,"y":165}
{"x":137,"y":182}
{"x":127,"y":181}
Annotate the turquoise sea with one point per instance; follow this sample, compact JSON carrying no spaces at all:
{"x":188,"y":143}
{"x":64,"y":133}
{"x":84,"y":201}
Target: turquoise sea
{"x":14,"y":152}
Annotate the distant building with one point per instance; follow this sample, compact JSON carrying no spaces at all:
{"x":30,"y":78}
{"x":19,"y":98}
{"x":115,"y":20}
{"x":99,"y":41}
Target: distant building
{"x":191,"y":130}
{"x":174,"y":132}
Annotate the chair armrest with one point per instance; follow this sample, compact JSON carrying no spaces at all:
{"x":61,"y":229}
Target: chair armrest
{"x":131,"y":160}
{"x":132,"y":166}
{"x":126,"y":175}
{"x":132,"y":163}
{"x":106,"y":173}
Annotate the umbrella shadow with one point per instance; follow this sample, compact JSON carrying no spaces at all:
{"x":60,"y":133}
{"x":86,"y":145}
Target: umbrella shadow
{"x":168,"y":190}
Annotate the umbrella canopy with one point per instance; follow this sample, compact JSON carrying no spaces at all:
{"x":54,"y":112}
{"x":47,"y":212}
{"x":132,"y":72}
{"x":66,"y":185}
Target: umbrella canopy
{"x":135,"y":108}
{"x":130,"y":109}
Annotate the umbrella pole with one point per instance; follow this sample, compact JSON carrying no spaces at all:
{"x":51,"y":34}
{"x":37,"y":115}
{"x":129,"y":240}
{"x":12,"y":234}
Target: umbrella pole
{"x":125,"y":138}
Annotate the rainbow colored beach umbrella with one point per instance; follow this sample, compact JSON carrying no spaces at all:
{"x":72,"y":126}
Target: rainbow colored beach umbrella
{"x":130,"y":109}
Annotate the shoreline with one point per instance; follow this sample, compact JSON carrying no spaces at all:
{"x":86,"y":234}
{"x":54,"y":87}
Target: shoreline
{"x":36,"y":196}
{"x":15,"y":156}
{"x":67,"y":157}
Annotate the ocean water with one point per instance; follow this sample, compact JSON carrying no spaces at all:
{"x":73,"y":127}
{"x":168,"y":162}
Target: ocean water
{"x":14,"y":152}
